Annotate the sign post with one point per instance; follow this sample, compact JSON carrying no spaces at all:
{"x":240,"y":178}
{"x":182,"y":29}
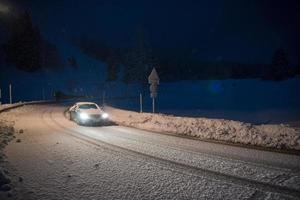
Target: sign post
{"x":153,"y":80}
{"x":141,"y":103}
{"x":10,"y":94}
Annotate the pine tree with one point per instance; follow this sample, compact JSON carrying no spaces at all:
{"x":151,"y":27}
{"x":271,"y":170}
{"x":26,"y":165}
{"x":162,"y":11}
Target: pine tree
{"x":24,"y":46}
{"x":139,"y":61}
{"x":279,"y":68}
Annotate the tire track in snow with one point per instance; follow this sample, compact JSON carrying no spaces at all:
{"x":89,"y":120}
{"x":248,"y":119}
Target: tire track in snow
{"x":178,"y":167}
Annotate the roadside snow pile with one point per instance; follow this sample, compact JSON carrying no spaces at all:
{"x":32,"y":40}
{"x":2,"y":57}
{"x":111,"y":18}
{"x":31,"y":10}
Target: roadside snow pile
{"x":4,"y":181}
{"x":6,"y":135}
{"x":8,"y":106}
{"x":274,"y":136}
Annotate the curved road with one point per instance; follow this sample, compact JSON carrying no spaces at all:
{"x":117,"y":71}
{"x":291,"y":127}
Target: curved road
{"x":61,"y":160}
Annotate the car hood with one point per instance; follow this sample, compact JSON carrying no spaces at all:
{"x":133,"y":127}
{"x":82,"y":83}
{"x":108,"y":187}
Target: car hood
{"x":91,"y":111}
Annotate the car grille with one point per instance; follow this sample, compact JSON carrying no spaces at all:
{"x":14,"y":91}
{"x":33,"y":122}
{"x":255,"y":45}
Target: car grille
{"x":95,"y":116}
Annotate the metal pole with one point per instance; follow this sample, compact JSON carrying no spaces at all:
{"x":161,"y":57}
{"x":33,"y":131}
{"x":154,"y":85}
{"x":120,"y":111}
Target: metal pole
{"x":10,"y":94}
{"x":153,"y":104}
{"x":141,"y":103}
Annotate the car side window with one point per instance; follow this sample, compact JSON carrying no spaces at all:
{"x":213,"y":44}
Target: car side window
{"x":73,"y":108}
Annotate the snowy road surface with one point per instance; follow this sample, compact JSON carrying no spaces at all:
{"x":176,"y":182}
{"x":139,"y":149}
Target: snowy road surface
{"x":58,"y":159}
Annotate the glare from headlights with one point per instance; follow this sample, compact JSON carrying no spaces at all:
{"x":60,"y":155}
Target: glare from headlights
{"x":104,"y":116}
{"x":83,"y":116}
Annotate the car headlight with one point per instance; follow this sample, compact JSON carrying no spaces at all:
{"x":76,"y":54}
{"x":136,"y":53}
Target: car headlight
{"x":83,"y":116}
{"x":104,"y":116}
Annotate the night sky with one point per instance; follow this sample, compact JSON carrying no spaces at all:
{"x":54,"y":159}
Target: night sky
{"x":233,"y":30}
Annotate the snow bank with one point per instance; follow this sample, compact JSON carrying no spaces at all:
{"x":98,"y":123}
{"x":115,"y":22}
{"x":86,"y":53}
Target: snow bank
{"x":274,"y":136}
{"x":4,"y":107}
{"x":6,"y":135}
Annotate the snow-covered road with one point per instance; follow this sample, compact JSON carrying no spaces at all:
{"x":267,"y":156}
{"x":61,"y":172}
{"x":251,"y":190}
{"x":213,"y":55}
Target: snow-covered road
{"x":58,"y":159}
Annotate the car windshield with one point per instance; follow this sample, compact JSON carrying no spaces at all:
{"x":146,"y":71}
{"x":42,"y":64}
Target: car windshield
{"x":88,"y":106}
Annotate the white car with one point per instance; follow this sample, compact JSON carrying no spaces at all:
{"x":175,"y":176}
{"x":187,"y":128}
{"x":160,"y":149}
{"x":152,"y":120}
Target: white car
{"x":87,"y":113}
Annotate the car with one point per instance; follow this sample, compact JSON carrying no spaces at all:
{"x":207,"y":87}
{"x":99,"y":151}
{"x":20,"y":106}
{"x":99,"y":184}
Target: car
{"x":85,"y":113}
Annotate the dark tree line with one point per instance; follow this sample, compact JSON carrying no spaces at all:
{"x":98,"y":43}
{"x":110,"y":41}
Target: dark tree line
{"x":280,"y":68}
{"x":26,"y":48}
{"x":138,"y":61}
{"x":99,"y":50}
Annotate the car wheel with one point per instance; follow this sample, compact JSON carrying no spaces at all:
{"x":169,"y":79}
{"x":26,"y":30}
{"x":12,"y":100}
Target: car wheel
{"x":70,"y":116}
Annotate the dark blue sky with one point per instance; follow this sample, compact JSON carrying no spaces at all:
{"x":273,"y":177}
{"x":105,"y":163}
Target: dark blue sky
{"x":247,"y":31}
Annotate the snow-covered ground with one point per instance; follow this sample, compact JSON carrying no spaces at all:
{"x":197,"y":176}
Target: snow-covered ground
{"x":53,"y":164}
{"x":275,"y":136}
{"x":6,"y":135}
{"x":56,"y":159}
{"x":8,"y":180}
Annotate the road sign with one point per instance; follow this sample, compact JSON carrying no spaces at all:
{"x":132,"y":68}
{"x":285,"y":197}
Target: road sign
{"x":153,"y":94}
{"x":153,"y":88}
{"x":153,"y":80}
{"x":153,"y":77}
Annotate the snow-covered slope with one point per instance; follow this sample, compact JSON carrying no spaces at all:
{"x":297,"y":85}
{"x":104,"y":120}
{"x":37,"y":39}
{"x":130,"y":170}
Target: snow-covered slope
{"x":248,"y":100}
